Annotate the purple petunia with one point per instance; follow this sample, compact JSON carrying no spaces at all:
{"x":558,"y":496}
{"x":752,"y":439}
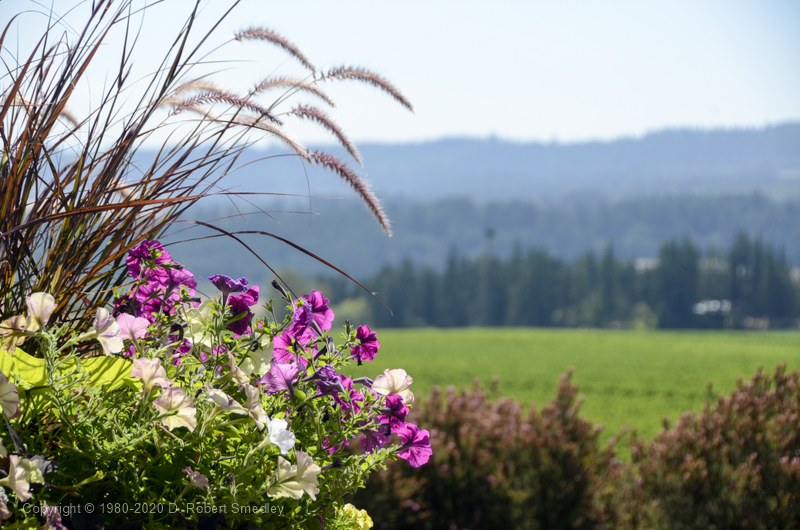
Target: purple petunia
{"x":368,"y":344}
{"x":280,"y":377}
{"x":326,"y":444}
{"x":303,"y":325}
{"x":373,"y":439}
{"x":143,"y":252}
{"x":327,"y":381}
{"x":416,"y":448}
{"x":241,"y":304}
{"x":178,"y":278}
{"x":284,"y":349}
{"x":356,"y":397}
{"x":228,"y":285}
{"x":148,"y":301}
{"x":184,"y":348}
{"x":395,"y":412}
{"x":320,"y":312}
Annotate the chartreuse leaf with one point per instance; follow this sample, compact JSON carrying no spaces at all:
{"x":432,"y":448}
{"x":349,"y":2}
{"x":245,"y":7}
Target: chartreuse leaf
{"x":109,"y":372}
{"x":30,"y":369}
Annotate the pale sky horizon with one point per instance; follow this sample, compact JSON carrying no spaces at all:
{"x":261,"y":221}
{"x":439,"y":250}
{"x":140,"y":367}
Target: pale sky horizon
{"x":521,"y":71}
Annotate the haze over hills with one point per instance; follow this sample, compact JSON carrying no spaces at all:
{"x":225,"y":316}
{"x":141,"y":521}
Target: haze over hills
{"x":674,"y":162}
{"x":476,"y":196}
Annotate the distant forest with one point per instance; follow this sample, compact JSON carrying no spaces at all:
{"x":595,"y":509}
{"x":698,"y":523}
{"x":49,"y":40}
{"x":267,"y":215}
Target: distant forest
{"x":751,"y":285}
{"x":343,"y":233}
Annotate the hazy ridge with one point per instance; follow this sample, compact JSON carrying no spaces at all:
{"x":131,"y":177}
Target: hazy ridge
{"x":565,"y":198}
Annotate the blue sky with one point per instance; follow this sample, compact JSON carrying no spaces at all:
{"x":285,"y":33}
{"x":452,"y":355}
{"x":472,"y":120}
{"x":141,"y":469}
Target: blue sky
{"x":520,"y":70}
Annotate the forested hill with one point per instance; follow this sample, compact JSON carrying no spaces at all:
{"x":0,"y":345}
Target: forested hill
{"x":425,"y":233}
{"x":674,"y":161}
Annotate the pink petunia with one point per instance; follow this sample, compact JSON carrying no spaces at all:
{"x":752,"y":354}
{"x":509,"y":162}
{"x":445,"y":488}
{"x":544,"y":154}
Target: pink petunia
{"x":132,"y":328}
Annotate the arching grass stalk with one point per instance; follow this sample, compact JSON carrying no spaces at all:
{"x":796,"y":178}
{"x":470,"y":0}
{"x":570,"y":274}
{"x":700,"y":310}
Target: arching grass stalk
{"x":77,"y":191}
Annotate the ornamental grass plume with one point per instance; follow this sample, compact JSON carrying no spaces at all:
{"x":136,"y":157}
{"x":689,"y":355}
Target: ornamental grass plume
{"x":76,"y":194}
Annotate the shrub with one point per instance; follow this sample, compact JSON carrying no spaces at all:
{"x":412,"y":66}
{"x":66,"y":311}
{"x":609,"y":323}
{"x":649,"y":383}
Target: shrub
{"x":495,"y":467}
{"x":736,"y":465}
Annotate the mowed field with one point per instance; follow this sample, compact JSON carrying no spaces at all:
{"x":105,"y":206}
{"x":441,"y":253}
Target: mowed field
{"x":628,"y":378}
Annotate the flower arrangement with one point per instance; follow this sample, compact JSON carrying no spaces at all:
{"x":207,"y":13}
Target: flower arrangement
{"x":175,"y":410}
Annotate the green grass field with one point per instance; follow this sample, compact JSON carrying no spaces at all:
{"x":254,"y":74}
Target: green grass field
{"x":628,"y":378}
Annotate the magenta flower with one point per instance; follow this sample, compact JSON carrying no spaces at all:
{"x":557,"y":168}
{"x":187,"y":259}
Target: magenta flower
{"x":146,"y":251}
{"x":242,"y":304}
{"x":178,"y":278}
{"x":356,"y":397}
{"x":416,"y":448}
{"x":284,"y":349}
{"x":326,"y":444}
{"x":395,"y":412}
{"x":368,"y":344}
{"x":184,"y":348}
{"x":373,"y":439}
{"x":280,"y":377}
{"x":149,"y":300}
{"x":303,"y":324}
{"x":216,"y":350}
{"x":319,"y":309}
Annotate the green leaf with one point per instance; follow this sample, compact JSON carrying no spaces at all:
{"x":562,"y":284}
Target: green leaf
{"x":110,"y":372}
{"x":30,"y":369}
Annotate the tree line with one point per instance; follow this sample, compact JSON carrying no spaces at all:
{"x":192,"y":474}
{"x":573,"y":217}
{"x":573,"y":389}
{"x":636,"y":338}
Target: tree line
{"x":750,"y":285}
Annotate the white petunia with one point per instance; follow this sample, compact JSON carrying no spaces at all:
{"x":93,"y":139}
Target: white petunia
{"x":175,"y":400}
{"x":16,"y":480}
{"x":257,"y":362}
{"x":106,"y":331}
{"x":253,"y":407}
{"x":394,"y":381}
{"x":40,"y":307}
{"x":32,"y":472}
{"x":199,"y":319}
{"x":196,"y":479}
{"x":223,"y":401}
{"x":12,"y":333}
{"x":278,"y":434}
{"x":9,"y":397}
{"x":151,"y":373}
{"x":292,"y":481}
